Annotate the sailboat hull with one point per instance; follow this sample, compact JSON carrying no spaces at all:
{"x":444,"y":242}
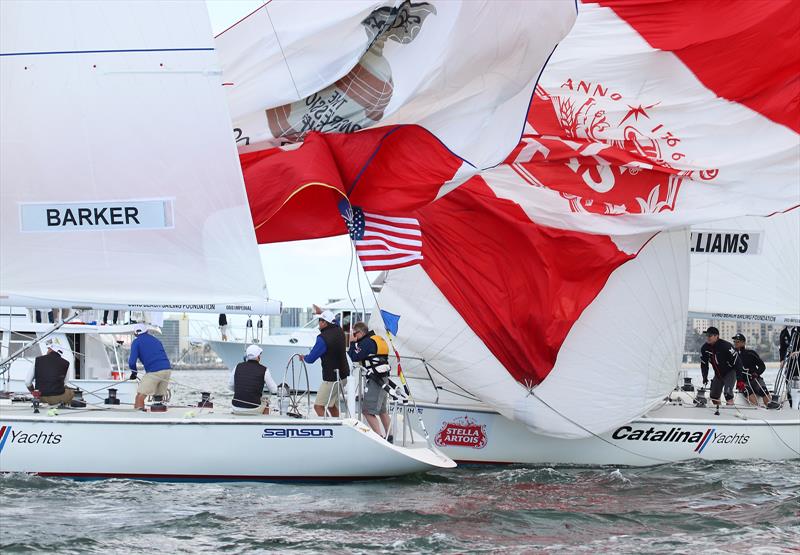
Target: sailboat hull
{"x":180,"y":446}
{"x":670,"y":434}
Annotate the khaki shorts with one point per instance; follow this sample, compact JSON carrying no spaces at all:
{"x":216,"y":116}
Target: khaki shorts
{"x":65,"y":397}
{"x":253,"y":410}
{"x":154,"y":383}
{"x":328,"y":390}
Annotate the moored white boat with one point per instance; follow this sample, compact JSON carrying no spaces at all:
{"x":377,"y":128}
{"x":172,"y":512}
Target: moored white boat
{"x":187,"y":443}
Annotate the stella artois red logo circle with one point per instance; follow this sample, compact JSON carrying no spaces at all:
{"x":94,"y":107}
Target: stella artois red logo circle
{"x":461,"y":432}
{"x":602,"y":152}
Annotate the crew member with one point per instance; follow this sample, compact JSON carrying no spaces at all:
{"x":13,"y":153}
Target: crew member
{"x":151,"y":352}
{"x":331,"y":349}
{"x":49,"y":371}
{"x":247,"y":383}
{"x":223,"y":326}
{"x":752,"y":368}
{"x":726,"y":362}
{"x":372,"y":352}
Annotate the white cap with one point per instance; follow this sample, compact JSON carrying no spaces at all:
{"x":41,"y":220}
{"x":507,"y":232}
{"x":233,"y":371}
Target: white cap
{"x":139,"y":328}
{"x":253,"y":352}
{"x":326,"y":315}
{"x":56,"y":347}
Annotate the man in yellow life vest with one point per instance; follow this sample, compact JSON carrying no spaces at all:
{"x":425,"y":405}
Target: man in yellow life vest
{"x":372,"y":352}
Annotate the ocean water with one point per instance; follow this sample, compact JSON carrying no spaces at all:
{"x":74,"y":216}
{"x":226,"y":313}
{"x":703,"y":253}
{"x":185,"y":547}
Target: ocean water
{"x":695,"y":507}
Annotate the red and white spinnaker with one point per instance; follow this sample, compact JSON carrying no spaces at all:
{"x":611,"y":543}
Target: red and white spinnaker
{"x":554,"y":280}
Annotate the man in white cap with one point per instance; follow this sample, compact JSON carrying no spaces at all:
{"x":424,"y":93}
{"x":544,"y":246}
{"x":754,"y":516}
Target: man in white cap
{"x":331,"y":348}
{"x":49,"y":372}
{"x":247,"y":382}
{"x":151,"y":352}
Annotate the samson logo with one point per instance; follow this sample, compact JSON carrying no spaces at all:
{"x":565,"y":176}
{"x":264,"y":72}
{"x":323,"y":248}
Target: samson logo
{"x":677,"y":435}
{"x":294,"y":433}
{"x":725,"y":242}
{"x":72,"y":216}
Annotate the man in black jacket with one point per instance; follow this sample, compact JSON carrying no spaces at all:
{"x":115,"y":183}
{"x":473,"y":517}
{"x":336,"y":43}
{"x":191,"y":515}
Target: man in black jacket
{"x":247,"y":383}
{"x":48,"y":373}
{"x":726,"y":363}
{"x":753,"y":367}
{"x":330,"y":347}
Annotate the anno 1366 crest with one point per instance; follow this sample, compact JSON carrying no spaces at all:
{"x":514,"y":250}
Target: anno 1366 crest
{"x":602,"y":153}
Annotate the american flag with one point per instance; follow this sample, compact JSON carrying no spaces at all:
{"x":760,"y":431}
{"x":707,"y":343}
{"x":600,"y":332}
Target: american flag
{"x":383,"y":242}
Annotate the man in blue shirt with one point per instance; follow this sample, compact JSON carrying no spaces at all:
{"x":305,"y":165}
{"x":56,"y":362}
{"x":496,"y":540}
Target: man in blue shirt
{"x":151,"y":352}
{"x":330,"y":347}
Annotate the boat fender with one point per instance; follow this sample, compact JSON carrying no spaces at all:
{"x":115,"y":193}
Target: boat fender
{"x":112,"y":397}
{"x":158,"y":405}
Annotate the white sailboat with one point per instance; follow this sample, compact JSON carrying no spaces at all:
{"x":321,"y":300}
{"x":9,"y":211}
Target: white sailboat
{"x":120,"y":189}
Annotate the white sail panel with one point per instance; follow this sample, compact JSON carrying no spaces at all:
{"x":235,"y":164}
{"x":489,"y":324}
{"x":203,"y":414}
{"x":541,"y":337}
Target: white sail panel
{"x":463,"y":70}
{"x":619,"y":359}
{"x":746,"y":266}
{"x":624,"y":136}
{"x":120,"y":184}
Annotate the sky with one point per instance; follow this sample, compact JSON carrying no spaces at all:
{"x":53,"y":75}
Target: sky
{"x":298,"y":273}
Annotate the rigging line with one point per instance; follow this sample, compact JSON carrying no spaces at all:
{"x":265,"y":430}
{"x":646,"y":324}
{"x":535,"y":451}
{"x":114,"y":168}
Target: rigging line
{"x":283,"y":55}
{"x":779,"y":437}
{"x":568,"y":419}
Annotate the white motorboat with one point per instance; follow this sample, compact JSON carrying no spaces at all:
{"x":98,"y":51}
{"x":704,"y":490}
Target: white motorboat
{"x":92,"y":350}
{"x":278,"y":349}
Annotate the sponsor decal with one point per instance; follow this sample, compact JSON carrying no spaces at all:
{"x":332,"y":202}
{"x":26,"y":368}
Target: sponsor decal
{"x":462,"y":432}
{"x":609,"y":154}
{"x":297,"y":433}
{"x":92,"y":216}
{"x":5,"y":431}
{"x":408,"y":409}
{"x":209,"y":306}
{"x":725,"y":242}
{"x":677,"y":435}
{"x":20,"y":437}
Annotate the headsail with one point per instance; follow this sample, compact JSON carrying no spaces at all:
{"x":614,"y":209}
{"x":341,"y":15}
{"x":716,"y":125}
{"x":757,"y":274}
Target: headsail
{"x":747,"y":269}
{"x":120,"y":187}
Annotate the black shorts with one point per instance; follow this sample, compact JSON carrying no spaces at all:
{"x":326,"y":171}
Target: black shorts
{"x":727,"y":383}
{"x":755,"y":385}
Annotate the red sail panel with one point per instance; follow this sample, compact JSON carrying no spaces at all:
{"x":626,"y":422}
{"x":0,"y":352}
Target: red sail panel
{"x":519,"y":285}
{"x":746,"y":52}
{"x":391,"y":170}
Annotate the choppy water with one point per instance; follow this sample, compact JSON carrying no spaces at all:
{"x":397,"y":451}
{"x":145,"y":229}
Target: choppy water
{"x":696,"y":507}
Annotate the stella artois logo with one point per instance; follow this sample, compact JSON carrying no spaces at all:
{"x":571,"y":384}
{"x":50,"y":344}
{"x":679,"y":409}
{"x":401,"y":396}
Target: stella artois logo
{"x":461,"y":432}
{"x":602,"y":153}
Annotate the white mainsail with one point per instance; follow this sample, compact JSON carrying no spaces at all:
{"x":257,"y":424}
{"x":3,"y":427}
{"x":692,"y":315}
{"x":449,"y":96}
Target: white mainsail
{"x":120,"y":184}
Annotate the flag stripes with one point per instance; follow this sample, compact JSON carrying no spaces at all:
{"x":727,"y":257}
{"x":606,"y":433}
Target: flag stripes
{"x":383,"y":242}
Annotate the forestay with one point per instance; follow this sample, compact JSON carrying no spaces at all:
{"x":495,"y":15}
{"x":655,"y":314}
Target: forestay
{"x":120,"y":187}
